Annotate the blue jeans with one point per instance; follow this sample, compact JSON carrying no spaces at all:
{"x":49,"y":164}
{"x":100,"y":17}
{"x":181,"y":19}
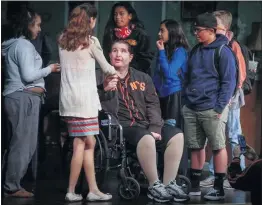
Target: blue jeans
{"x":234,"y":129}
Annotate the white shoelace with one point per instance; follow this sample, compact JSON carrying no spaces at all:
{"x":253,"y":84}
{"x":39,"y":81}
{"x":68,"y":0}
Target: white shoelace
{"x":177,"y":187}
{"x":180,"y":190}
{"x":161,"y":188}
{"x":211,"y":191}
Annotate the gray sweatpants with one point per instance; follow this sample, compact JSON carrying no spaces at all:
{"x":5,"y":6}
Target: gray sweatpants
{"x":22,"y":110}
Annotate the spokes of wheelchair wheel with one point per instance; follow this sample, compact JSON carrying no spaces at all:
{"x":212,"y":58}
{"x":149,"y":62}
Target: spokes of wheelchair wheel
{"x":130,"y":190}
{"x":98,"y":152}
{"x":99,"y":161}
{"x":101,"y":158}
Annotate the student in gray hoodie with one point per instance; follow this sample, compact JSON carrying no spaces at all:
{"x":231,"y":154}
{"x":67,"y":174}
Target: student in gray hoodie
{"x":23,"y":90}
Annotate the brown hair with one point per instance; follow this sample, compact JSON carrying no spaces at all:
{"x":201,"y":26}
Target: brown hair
{"x":225,"y":17}
{"x":129,"y":47}
{"x":78,"y":30}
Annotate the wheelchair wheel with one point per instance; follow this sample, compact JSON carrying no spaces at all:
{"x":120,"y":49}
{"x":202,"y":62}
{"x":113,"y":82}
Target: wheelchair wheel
{"x":131,"y":191}
{"x":101,"y":158}
{"x":184,"y":182}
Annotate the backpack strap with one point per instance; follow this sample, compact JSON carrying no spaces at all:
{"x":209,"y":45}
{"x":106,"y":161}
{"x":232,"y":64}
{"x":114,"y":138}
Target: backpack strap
{"x":217,"y":55}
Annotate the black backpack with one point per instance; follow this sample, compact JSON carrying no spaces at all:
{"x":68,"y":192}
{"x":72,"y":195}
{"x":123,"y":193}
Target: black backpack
{"x":216,"y":60}
{"x":250,"y":75}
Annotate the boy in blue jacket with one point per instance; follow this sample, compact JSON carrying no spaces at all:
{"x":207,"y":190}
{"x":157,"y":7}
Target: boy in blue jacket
{"x":207,"y":91}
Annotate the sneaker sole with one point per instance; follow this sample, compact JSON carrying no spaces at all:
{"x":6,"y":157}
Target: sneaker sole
{"x":68,"y":200}
{"x":99,"y":200}
{"x":228,"y":188}
{"x":180,"y":200}
{"x":197,"y":193}
{"x":213,"y":198}
{"x":207,"y":186}
{"x":156,"y":199}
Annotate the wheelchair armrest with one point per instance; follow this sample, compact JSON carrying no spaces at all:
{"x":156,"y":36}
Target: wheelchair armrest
{"x":107,"y":118}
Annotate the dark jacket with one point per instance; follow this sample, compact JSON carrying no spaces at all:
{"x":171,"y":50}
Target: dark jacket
{"x":145,"y":101}
{"x":207,"y":87}
{"x":140,"y":43}
{"x":248,"y":180}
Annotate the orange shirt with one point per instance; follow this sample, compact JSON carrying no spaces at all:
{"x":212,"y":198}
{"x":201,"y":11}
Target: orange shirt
{"x":241,"y":63}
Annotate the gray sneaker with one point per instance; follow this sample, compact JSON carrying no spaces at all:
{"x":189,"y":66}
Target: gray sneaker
{"x":159,"y":193}
{"x":208,"y":182}
{"x":176,"y":191}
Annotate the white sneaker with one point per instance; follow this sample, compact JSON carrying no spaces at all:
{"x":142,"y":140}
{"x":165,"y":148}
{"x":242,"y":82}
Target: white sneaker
{"x":73,"y":197}
{"x":227,"y":185}
{"x":208,"y":182}
{"x":94,"y":197}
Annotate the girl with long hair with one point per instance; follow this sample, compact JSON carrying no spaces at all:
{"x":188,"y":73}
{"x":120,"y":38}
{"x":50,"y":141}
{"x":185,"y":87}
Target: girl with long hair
{"x":79,"y":101}
{"x":123,"y":24}
{"x":171,"y":66}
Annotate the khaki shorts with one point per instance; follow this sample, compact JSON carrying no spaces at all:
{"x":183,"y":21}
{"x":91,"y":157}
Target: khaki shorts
{"x":202,"y":125}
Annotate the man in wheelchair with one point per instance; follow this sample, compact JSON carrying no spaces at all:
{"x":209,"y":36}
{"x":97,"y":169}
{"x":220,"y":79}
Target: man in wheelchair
{"x":130,"y":97}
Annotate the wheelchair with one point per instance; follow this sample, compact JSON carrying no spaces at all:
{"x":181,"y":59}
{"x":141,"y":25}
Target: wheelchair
{"x":114,"y":149}
{"x":112,"y":152}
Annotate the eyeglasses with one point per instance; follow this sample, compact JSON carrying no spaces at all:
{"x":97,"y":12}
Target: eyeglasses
{"x":198,"y":30}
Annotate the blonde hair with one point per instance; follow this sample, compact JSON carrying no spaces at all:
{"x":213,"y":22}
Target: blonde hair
{"x":225,"y":17}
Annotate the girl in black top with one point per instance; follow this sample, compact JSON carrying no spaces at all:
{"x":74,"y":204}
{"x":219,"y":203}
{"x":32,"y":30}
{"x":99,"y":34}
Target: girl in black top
{"x":123,"y":23}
